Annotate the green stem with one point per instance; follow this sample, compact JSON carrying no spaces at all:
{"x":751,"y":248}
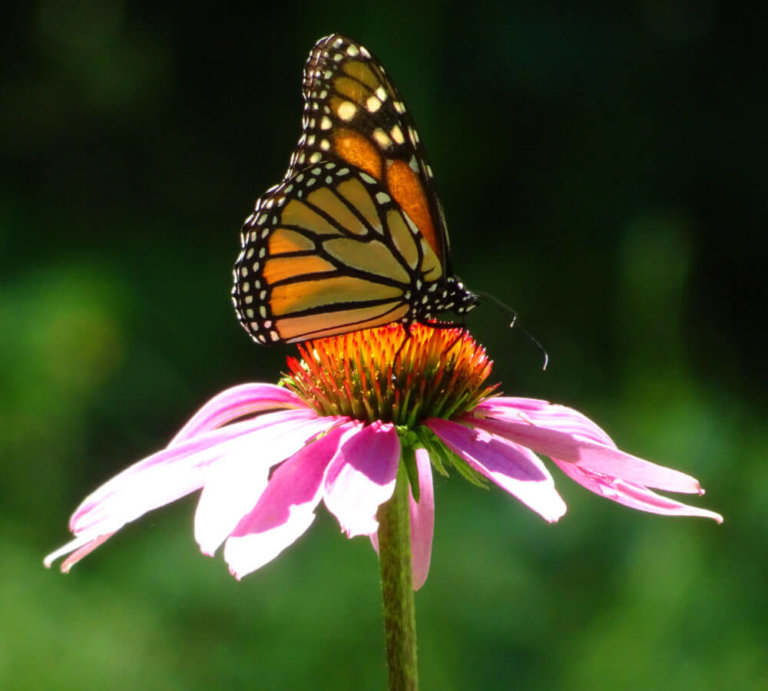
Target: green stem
{"x":397,"y":587}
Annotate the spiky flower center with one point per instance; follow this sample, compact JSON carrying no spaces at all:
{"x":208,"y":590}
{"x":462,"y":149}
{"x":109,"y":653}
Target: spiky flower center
{"x":386,"y":374}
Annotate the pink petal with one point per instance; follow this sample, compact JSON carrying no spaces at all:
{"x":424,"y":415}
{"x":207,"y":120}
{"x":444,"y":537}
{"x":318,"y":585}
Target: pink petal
{"x":234,"y":403}
{"x":422,"y":520}
{"x":234,"y":483}
{"x":590,"y":455}
{"x":80,"y":547}
{"x":512,"y":467}
{"x":362,"y":476}
{"x":168,"y":475}
{"x":543,"y":414}
{"x":286,"y":508}
{"x":632,"y":495}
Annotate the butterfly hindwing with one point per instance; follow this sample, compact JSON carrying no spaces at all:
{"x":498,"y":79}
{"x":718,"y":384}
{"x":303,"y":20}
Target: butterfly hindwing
{"x":328,"y":251}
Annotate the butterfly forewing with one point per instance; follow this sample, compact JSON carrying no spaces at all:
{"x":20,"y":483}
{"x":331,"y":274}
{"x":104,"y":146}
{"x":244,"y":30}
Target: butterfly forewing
{"x":353,"y":113}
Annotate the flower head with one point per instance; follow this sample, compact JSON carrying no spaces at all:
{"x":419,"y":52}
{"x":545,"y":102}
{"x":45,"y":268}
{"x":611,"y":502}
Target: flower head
{"x":350,"y":411}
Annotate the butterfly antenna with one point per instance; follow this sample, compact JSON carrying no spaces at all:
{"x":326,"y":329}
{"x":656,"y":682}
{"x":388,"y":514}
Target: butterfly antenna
{"x":513,"y":317}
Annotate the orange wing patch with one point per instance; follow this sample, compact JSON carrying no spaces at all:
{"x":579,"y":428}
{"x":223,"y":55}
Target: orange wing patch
{"x":277,"y":269}
{"x":358,"y":151}
{"x":406,"y":189}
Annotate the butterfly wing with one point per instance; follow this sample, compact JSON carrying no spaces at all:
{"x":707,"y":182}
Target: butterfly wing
{"x":354,"y":114}
{"x":328,"y":252}
{"x":354,"y":236}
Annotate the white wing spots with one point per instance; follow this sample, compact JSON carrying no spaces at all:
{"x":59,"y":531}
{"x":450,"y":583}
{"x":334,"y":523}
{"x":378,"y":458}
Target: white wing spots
{"x":373,"y":104}
{"x":274,"y":335}
{"x":381,"y":93}
{"x":316,"y":171}
{"x":323,"y":94}
{"x":330,"y":165}
{"x":328,"y":179}
{"x":267,"y":323}
{"x":342,"y":171}
{"x":327,"y":74}
{"x":249,"y":313}
{"x":382,"y":139}
{"x":315,"y":157}
{"x":263,"y":295}
{"x":262,"y":253}
{"x":263,"y":311}
{"x":288,"y":189}
{"x":255,"y":266}
{"x":338,"y":42}
{"x":243,"y":271}
{"x":383,"y":198}
{"x":428,"y":169}
{"x":254,"y":326}
{"x":325,"y":145}
{"x":352,"y":51}
{"x":264,"y":234}
{"x":397,"y":134}
{"x":413,"y":164}
{"x":414,"y":135}
{"x":311,"y":140}
{"x":399,"y":107}
{"x":246,"y":287}
{"x":250,"y":253}
{"x":311,"y":182}
{"x":365,"y":53}
{"x":300,"y":177}
{"x":432,"y":288}
{"x":338,"y":57}
{"x":367,"y":178}
{"x":248,"y":299}
{"x":346,"y":111}
{"x":325,"y":123}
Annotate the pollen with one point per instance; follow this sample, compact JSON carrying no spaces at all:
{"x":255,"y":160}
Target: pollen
{"x":386,"y":374}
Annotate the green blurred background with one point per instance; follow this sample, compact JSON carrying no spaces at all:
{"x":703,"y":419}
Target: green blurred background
{"x":604,"y":171}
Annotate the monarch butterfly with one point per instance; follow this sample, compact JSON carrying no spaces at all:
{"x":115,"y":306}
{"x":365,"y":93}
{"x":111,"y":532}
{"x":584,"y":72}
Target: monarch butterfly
{"x":354,"y":236}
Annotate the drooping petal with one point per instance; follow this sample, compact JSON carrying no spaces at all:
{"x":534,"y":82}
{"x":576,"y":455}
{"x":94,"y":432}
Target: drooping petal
{"x":286,"y":508}
{"x":362,"y":476}
{"x":234,"y":483}
{"x":544,"y":414}
{"x":590,"y":455}
{"x":632,"y":495}
{"x":512,"y":467}
{"x":422,"y":520}
{"x":155,"y":481}
{"x":235,"y":403}
{"x":80,"y":547}
{"x":168,"y":475}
